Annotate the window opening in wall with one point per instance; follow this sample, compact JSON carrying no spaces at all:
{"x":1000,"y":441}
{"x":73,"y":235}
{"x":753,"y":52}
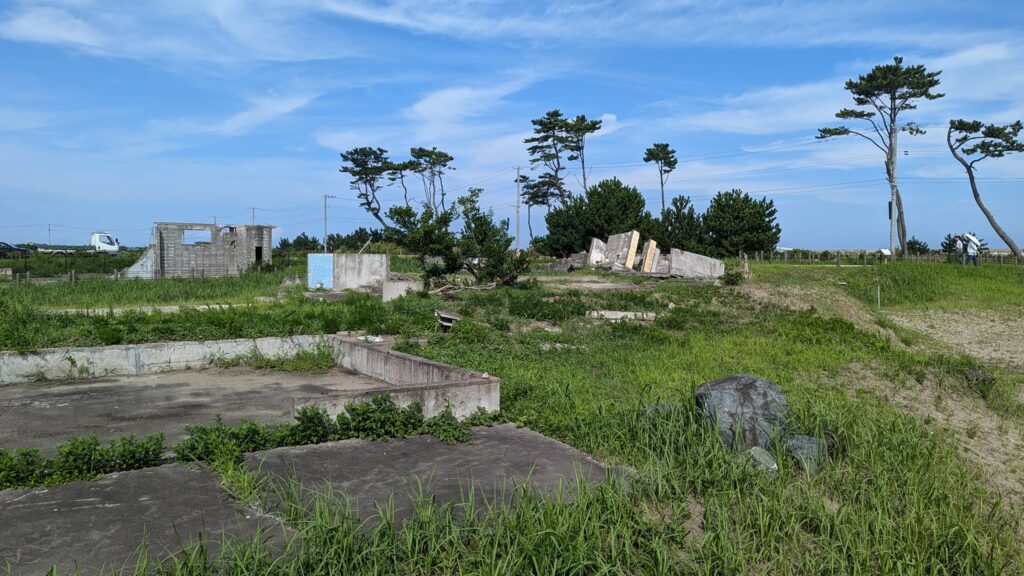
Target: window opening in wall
{"x":201,"y":236}
{"x":259,"y":253}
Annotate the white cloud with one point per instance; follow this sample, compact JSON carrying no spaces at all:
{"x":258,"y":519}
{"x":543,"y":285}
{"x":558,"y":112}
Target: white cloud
{"x":772,"y":110}
{"x":51,"y":26}
{"x":262,"y":110}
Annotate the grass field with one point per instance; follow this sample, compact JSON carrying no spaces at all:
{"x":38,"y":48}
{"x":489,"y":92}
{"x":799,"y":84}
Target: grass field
{"x":895,"y":497}
{"x":912,"y":284}
{"x":48,"y":266}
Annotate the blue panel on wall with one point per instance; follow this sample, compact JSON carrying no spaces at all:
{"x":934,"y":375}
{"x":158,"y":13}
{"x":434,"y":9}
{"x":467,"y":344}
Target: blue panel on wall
{"x":320,"y":271}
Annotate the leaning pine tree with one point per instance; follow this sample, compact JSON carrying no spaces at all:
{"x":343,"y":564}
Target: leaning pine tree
{"x":887,"y":91}
{"x":970,"y":142}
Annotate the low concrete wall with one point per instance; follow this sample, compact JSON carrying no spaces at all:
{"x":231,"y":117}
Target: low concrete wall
{"x":136,"y":359}
{"x":405,"y":377}
{"x":398,"y":288}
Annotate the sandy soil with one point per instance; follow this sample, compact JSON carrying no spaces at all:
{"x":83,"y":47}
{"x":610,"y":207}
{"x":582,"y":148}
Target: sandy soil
{"x":996,"y":338}
{"x":987,"y":441}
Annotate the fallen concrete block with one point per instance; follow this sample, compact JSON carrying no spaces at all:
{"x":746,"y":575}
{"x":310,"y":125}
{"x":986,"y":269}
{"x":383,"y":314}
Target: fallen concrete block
{"x":597,"y":255}
{"x":690,"y":265}
{"x":621,"y":248}
{"x":649,"y":256}
{"x":619,"y":315}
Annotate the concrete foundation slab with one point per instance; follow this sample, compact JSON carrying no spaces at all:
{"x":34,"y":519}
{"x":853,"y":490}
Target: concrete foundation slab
{"x":495,"y":461}
{"x":98,"y":526}
{"x":166,"y":402}
{"x":44,"y":415}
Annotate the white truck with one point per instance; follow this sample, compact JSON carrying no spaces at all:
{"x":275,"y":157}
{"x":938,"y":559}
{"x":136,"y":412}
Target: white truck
{"x":99,"y":243}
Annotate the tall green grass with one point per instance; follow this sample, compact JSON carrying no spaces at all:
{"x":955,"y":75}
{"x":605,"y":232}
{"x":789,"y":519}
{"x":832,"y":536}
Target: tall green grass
{"x":103,"y":293}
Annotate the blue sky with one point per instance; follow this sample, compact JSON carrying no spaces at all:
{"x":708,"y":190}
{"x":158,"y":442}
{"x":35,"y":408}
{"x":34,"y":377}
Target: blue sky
{"x":115,"y":115}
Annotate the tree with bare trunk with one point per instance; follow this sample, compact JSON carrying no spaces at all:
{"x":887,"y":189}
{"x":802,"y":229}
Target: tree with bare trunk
{"x":883,"y":94}
{"x":970,"y":142}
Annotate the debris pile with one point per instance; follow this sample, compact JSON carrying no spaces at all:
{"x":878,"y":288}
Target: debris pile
{"x":623,"y":253}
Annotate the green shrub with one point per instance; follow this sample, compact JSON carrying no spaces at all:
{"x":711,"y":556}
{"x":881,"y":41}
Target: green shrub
{"x":447,"y":428}
{"x":80,"y":458}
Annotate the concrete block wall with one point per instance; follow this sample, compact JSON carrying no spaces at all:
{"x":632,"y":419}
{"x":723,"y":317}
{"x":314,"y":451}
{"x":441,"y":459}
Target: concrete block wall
{"x":231,"y":249}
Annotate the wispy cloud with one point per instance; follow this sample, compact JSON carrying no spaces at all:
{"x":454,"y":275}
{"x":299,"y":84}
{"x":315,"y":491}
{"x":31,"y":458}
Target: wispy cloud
{"x":49,"y":25}
{"x":261,"y":110}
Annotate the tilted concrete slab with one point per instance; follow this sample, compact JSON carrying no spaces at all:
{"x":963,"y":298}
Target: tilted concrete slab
{"x":690,"y":265}
{"x":99,"y":526}
{"x":621,"y":248}
{"x":596,"y":256}
{"x":495,"y":461}
{"x":649,"y":256}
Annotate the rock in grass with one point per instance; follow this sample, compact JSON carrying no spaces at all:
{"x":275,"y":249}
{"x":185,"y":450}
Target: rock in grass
{"x":761,"y":459}
{"x":981,"y":381}
{"x":753,"y":407}
{"x":807,"y":450}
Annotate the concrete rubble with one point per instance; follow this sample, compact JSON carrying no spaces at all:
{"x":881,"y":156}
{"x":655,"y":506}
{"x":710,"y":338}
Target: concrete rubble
{"x":623,"y":253}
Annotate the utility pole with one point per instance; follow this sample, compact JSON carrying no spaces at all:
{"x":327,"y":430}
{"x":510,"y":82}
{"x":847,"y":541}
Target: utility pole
{"x":49,"y":235}
{"x":214,"y":219}
{"x":254,"y":216}
{"x":326,"y":196}
{"x":517,"y":210}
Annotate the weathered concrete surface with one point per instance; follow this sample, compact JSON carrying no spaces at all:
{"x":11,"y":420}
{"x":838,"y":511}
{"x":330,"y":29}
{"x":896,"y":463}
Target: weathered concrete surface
{"x":228,"y":250}
{"x":596,"y":256}
{"x":135,"y":359}
{"x":397,"y":288}
{"x":620,"y":315}
{"x":358,"y":271}
{"x":44,"y":415}
{"x":690,"y":265}
{"x":741,"y":403}
{"x":621,"y":248}
{"x":99,"y":526}
{"x":168,"y":309}
{"x":649,"y":256}
{"x":495,"y":461}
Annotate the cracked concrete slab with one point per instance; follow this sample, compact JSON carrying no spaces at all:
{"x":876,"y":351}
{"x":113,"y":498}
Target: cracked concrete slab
{"x":46,"y":414}
{"x":495,"y":461}
{"x":100,"y":526}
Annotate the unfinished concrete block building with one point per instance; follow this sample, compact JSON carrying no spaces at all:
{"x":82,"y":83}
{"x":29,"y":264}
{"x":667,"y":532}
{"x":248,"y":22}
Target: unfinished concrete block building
{"x":193,"y":250}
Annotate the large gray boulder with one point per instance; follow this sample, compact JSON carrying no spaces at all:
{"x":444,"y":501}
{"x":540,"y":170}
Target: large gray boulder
{"x":754,"y":404}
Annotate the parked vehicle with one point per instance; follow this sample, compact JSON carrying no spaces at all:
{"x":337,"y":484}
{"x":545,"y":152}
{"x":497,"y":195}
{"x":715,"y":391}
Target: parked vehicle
{"x":104,"y":243}
{"x":99,"y":243}
{"x":11,"y":251}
